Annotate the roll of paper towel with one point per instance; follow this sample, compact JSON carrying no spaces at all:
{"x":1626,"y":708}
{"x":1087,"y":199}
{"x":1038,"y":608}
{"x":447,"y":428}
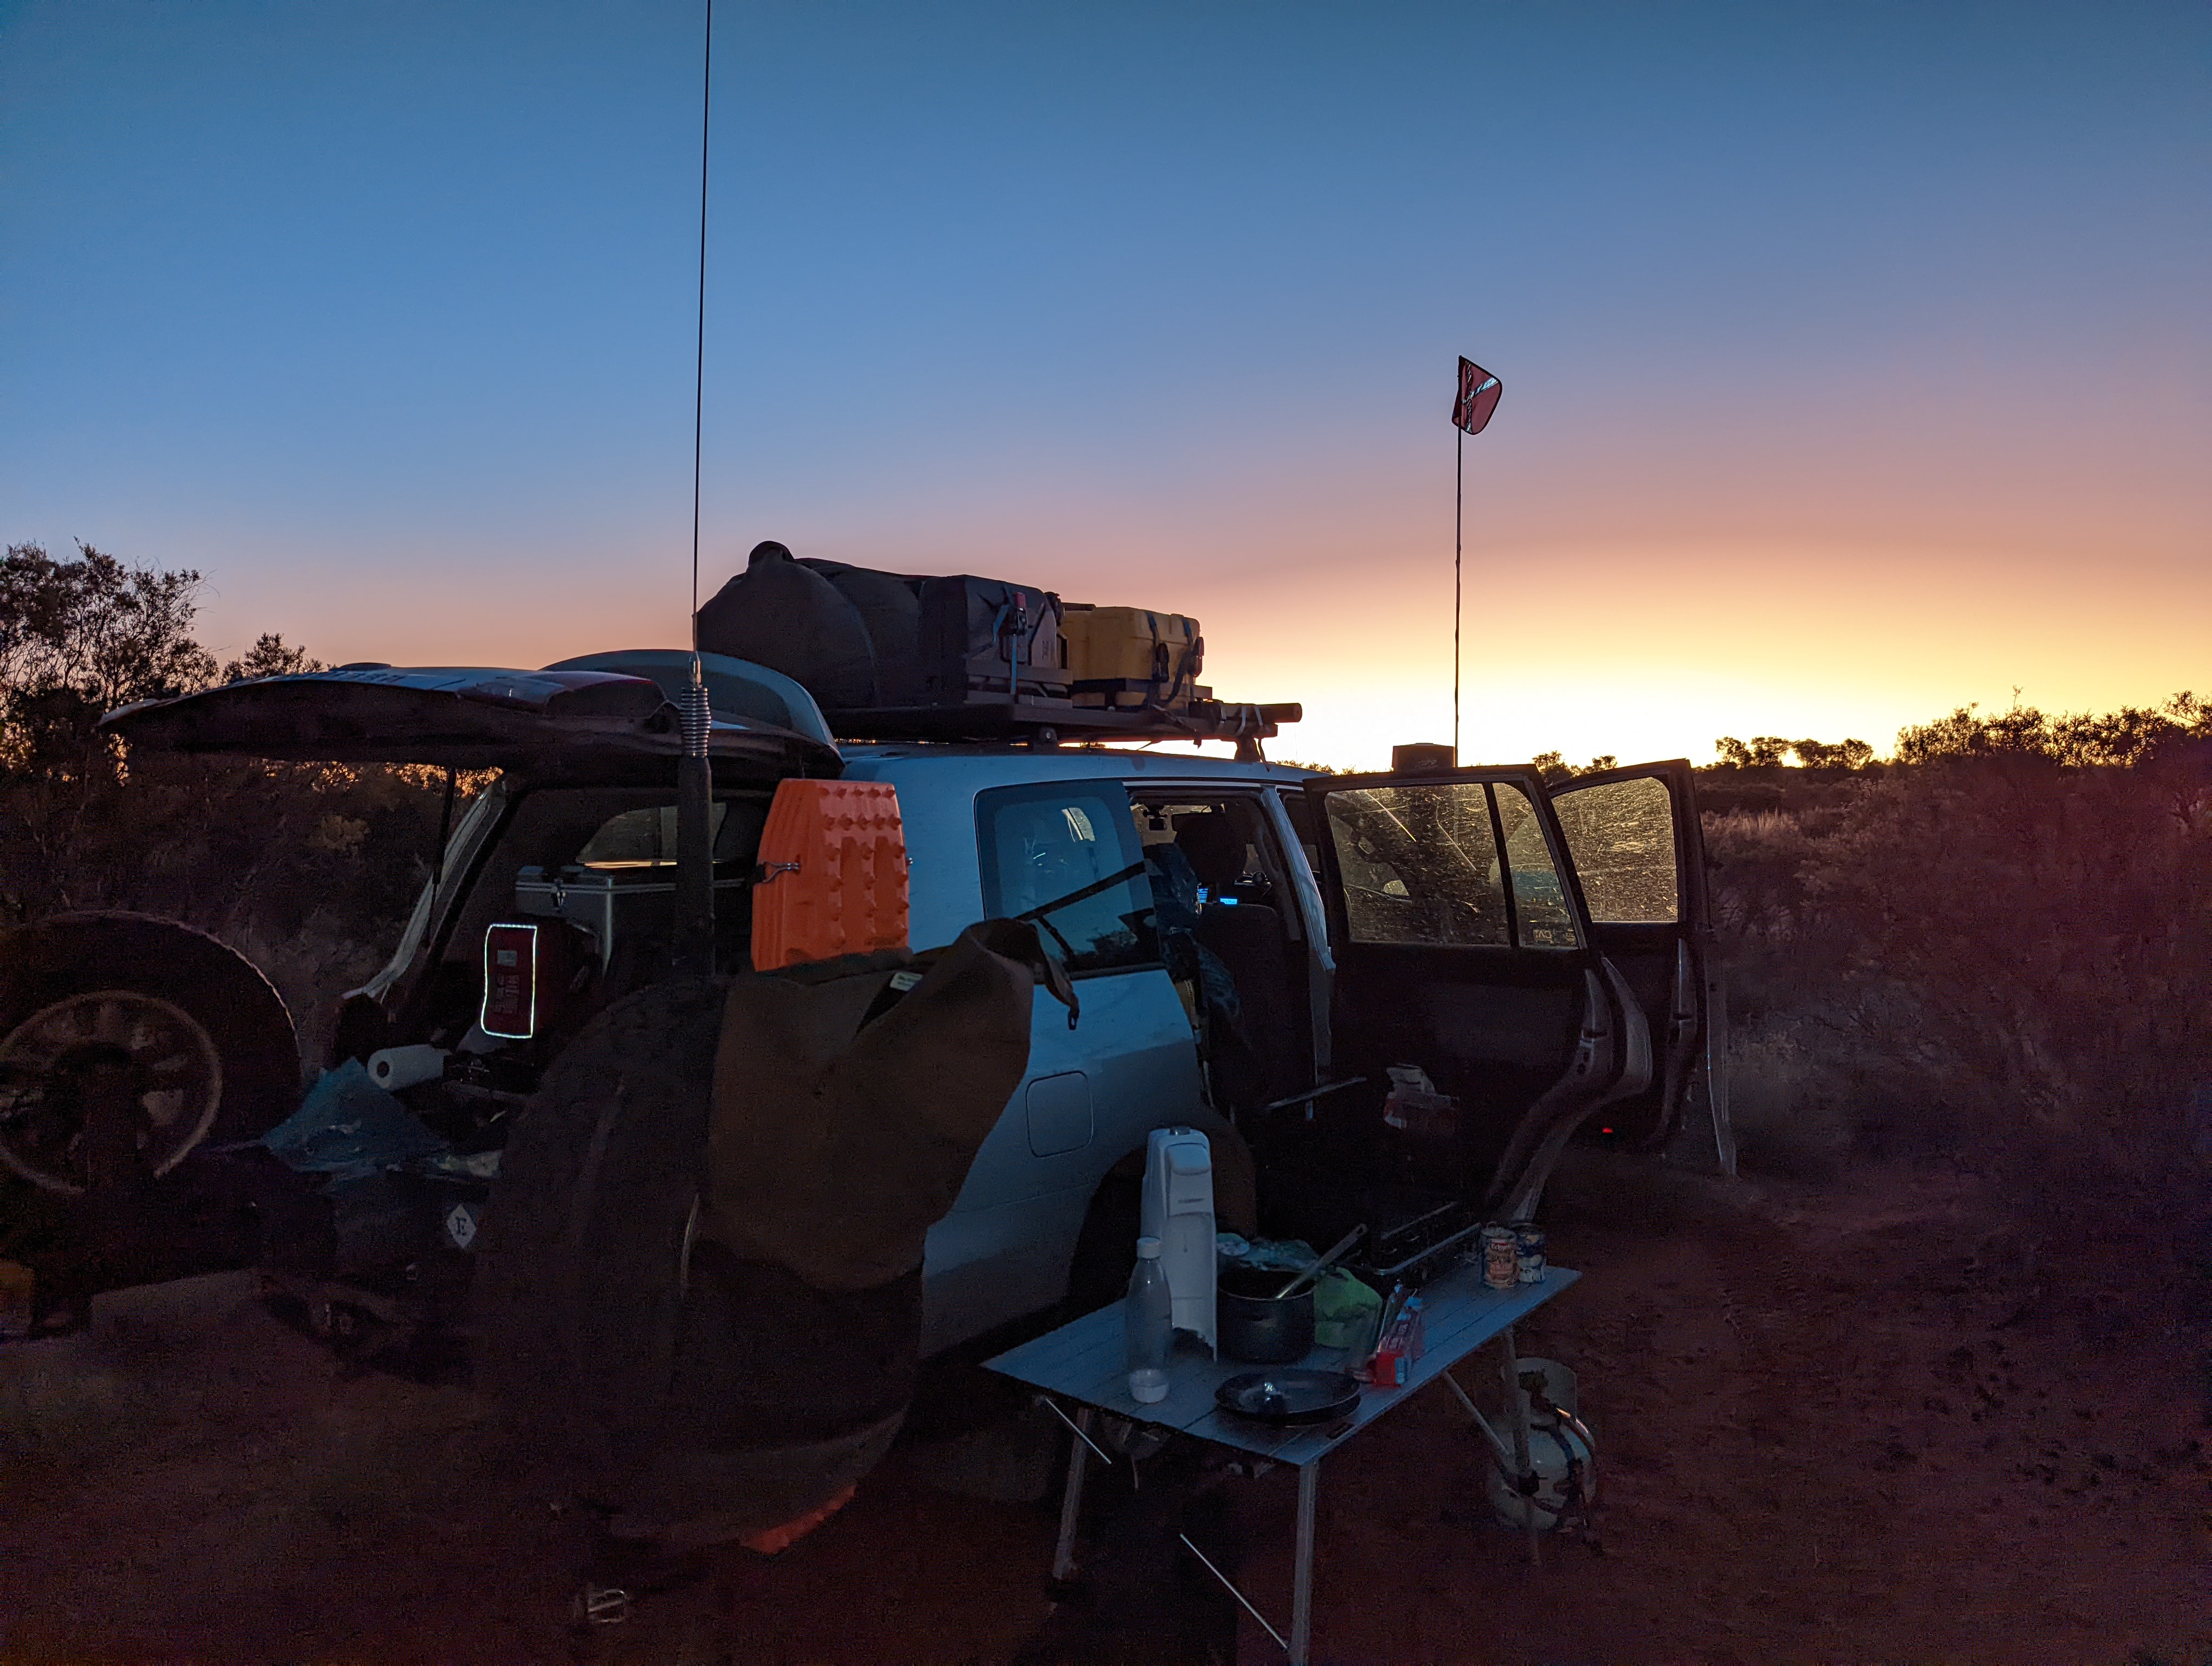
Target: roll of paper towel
{"x":394,"y":1068}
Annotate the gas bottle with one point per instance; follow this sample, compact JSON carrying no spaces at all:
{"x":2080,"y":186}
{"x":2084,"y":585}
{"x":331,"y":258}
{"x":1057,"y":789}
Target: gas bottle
{"x":1562,"y":1452}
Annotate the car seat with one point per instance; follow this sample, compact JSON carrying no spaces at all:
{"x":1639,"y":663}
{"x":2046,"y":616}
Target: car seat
{"x":1259,"y":1061}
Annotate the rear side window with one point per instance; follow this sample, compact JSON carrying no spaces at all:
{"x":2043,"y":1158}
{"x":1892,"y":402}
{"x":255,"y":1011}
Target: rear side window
{"x":1067,"y":857}
{"x":1621,"y":834}
{"x":1422,"y":864}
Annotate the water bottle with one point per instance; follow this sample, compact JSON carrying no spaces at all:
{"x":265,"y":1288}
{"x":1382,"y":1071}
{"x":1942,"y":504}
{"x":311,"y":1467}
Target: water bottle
{"x":1148,"y":1314}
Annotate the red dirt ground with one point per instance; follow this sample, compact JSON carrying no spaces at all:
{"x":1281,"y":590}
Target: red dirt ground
{"x":1867,"y":1420}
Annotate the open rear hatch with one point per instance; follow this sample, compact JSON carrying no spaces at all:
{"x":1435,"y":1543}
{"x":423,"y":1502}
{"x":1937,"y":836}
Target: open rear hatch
{"x":539,"y":722}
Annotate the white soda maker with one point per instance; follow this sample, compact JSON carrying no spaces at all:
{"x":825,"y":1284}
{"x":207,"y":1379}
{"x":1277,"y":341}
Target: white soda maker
{"x":1177,"y":1209}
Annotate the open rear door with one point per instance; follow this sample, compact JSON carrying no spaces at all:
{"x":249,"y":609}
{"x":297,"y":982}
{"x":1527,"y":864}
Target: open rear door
{"x":475,"y":717}
{"x":1639,"y":853}
{"x":1462,"y":951}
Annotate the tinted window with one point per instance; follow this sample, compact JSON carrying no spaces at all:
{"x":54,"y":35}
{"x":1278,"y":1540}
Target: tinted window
{"x":643,"y":838}
{"x":1067,"y":857}
{"x":1420,"y":864}
{"x":1621,"y":834}
{"x":1539,"y":900}
{"x":623,"y":832}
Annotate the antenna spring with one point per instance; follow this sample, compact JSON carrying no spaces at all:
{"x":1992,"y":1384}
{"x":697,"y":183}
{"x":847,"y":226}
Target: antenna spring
{"x":698,"y":716}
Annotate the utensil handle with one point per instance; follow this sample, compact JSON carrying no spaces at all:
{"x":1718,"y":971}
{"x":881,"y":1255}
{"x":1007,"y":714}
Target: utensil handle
{"x":1322,"y":1265}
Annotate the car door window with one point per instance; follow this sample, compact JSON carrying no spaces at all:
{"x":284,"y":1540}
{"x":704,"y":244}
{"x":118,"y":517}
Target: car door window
{"x":647,"y":838}
{"x":1621,"y":835}
{"x":1546,"y":919}
{"x":1067,"y":856}
{"x":1420,"y":864}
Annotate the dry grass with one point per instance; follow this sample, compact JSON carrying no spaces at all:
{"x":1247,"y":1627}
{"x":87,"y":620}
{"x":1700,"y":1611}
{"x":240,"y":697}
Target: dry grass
{"x":2004,"y":963}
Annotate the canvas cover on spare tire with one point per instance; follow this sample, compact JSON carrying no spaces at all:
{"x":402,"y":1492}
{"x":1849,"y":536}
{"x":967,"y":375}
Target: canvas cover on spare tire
{"x":705,"y":1309}
{"x":847,"y":1109}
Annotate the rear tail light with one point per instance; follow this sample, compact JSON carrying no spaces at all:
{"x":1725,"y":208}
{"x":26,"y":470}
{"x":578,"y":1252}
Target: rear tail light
{"x":510,"y":983}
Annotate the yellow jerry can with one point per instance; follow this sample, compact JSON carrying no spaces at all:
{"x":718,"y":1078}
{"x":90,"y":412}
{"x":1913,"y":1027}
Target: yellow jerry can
{"x":1131,"y":658}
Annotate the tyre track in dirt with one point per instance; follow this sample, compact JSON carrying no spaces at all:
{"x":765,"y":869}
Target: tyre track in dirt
{"x":1813,"y":1408}
{"x":1862,"y":1421}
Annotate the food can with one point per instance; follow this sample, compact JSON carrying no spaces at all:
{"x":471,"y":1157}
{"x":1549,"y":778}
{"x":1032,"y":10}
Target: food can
{"x":1529,"y":1249}
{"x":1501,"y":1257}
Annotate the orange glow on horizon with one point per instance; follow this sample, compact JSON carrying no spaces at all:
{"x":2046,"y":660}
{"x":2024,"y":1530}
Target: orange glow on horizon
{"x":1637,"y":650}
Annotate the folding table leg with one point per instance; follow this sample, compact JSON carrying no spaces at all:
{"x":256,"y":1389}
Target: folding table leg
{"x":1301,"y":1575}
{"x":1517,"y":1405}
{"x":1071,"y":1499}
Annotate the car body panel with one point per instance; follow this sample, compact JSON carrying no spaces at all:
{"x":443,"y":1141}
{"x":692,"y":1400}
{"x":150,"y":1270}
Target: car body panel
{"x":939,"y":786}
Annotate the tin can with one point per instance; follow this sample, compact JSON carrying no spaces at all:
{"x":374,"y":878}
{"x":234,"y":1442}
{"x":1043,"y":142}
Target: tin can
{"x":1528,"y":1252}
{"x":1501,"y":1258}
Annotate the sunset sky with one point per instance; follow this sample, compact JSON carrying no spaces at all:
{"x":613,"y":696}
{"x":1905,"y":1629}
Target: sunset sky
{"x":1854,"y":356}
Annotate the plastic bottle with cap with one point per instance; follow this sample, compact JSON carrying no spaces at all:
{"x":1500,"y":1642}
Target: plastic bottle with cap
{"x":1148,"y":1313}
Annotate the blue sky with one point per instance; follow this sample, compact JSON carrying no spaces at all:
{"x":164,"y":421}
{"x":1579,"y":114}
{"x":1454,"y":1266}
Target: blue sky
{"x":1855,"y":356}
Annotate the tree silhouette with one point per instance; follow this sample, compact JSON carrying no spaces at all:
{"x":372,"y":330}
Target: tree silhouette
{"x":270,"y":656}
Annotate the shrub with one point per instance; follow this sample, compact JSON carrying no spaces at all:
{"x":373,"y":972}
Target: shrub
{"x":308,"y":869}
{"x":2001,"y":947}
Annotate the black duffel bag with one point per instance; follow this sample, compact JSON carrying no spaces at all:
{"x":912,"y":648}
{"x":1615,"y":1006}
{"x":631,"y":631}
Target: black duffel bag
{"x":858,"y":638}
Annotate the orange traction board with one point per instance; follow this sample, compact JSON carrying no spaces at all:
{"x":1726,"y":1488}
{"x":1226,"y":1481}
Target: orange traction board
{"x":832,"y":873}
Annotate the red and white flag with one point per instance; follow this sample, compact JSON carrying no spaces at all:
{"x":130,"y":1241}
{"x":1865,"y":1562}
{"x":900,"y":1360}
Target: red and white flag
{"x":1478,"y":397}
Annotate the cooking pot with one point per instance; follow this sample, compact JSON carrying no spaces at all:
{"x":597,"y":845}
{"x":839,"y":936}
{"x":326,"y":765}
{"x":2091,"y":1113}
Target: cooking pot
{"x":1254,"y":1324}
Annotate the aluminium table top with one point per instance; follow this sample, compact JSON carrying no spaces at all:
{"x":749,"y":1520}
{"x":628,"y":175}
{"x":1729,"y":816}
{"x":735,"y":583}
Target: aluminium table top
{"x":1086,"y":1359}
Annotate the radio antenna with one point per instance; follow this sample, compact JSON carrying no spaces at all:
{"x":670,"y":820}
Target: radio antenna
{"x":699,"y":379}
{"x":692,"y":949}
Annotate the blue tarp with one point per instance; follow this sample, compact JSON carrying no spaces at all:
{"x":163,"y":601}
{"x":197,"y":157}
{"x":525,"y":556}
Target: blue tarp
{"x":348,"y":1127}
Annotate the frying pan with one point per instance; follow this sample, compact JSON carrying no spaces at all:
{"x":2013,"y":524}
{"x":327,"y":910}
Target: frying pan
{"x":1295,"y":1394}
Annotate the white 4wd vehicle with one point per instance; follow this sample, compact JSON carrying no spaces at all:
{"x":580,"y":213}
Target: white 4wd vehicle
{"x":1256,"y":949}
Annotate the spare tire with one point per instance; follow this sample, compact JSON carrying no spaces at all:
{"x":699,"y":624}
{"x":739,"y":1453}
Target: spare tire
{"x":696,"y":1396}
{"x":204,"y":1037}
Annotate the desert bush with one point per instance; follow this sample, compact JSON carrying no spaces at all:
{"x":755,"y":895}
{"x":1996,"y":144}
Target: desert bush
{"x":2000,"y":947}
{"x":308,"y":869}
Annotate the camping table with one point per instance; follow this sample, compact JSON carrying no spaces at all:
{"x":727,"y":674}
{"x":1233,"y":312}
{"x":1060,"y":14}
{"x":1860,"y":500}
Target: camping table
{"x":1086,"y":1361}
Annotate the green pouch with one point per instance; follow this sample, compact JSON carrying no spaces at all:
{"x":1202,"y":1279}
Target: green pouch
{"x":1345,"y":1309}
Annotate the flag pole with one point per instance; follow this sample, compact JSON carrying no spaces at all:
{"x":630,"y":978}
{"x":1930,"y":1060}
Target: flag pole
{"x":1478,"y":394}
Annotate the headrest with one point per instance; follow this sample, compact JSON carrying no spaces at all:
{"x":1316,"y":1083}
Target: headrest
{"x":1215,"y":845}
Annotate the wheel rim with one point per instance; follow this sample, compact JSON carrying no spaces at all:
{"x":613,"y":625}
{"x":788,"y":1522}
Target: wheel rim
{"x":46,"y":1061}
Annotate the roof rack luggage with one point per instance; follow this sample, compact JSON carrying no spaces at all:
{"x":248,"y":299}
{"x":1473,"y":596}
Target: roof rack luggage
{"x":1132,"y":658}
{"x":896,"y":656}
{"x":1037,"y":718}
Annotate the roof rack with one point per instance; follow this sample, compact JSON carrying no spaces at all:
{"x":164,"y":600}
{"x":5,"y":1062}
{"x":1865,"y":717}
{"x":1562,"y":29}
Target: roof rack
{"x":1039,"y":718}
